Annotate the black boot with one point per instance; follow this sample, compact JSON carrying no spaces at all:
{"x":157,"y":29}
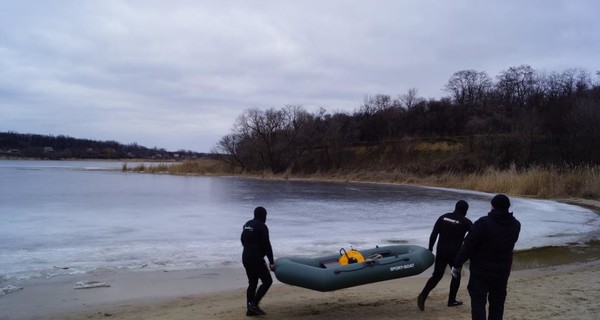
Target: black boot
{"x":254,"y":310}
{"x":260,"y":311}
{"x":454,"y":303}
{"x":421,"y":302}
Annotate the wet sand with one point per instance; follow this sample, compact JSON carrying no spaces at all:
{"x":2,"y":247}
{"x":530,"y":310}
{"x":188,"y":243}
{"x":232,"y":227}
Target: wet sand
{"x":564,"y":291}
{"x":53,"y":298}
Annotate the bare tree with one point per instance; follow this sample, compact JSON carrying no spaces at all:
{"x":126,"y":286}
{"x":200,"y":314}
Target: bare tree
{"x":564,"y":85}
{"x":260,"y":129}
{"x":271,"y":134}
{"x":228,"y":150}
{"x":410,"y":98}
{"x":469,"y":87}
{"x":515,"y":86}
{"x":584,"y":133}
{"x":375,"y":104}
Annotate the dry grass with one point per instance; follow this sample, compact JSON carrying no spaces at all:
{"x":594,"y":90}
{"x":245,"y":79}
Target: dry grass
{"x":187,"y":167}
{"x":577,"y":182}
{"x":443,"y":146}
{"x":540,"y":182}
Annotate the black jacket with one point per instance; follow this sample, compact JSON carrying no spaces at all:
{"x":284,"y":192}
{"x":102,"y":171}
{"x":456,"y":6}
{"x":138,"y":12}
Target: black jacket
{"x":451,"y":228}
{"x":489,"y":245}
{"x":255,"y":239}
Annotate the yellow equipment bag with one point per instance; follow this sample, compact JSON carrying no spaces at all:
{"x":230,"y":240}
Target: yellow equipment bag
{"x":348,"y":257}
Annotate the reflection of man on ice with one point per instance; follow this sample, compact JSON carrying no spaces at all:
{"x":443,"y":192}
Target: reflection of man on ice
{"x":451,"y":228}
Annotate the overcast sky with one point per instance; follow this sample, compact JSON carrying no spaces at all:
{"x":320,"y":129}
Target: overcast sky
{"x":176,"y":74}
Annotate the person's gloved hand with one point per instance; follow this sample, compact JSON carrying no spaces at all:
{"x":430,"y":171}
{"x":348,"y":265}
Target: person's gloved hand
{"x":455,"y":272}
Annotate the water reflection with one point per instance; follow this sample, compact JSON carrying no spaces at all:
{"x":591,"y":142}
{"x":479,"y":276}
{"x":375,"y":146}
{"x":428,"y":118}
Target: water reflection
{"x":555,"y":255}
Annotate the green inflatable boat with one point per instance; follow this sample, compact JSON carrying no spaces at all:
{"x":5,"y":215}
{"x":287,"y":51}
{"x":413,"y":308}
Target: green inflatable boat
{"x":353,"y":268}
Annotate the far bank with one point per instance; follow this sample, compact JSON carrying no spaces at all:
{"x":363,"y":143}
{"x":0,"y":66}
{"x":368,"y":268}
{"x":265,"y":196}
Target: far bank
{"x":575,"y":184}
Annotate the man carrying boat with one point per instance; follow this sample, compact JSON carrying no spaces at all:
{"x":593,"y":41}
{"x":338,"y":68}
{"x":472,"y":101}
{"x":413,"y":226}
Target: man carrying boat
{"x":451,"y":229}
{"x":489,"y":248}
{"x":257,"y":245}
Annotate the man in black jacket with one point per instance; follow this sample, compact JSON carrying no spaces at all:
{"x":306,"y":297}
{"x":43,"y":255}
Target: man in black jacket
{"x":451,"y":228}
{"x":255,"y":239}
{"x":489,"y":247}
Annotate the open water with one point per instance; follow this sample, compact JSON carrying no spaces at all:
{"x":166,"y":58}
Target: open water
{"x":67,"y":217}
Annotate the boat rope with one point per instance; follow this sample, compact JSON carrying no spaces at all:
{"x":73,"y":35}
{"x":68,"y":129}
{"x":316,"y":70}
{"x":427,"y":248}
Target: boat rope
{"x":370,"y":263}
{"x":403,"y":259}
{"x":350,"y":257}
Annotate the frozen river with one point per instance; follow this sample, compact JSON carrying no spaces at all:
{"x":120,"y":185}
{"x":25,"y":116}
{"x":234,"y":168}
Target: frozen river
{"x":62,"y":217}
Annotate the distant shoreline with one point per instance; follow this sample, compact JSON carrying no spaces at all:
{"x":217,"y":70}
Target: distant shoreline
{"x":491,"y":182}
{"x":94,"y":160}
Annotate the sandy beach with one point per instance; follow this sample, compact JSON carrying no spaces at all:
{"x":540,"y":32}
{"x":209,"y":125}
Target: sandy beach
{"x":566,"y":291}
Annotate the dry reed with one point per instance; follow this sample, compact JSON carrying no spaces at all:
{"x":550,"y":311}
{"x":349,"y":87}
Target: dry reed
{"x":186,"y":167}
{"x":552,"y":182}
{"x":537,"y":181}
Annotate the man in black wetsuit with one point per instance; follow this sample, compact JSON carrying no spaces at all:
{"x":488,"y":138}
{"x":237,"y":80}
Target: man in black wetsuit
{"x":489,"y":247}
{"x":451,"y":228}
{"x":255,"y":239}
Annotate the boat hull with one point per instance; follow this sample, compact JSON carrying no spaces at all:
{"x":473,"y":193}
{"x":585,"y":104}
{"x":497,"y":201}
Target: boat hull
{"x":382,"y":263}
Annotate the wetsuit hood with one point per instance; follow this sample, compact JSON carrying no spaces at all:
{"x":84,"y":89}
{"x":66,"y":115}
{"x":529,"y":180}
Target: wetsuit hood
{"x":260,"y":214}
{"x":461,"y":207}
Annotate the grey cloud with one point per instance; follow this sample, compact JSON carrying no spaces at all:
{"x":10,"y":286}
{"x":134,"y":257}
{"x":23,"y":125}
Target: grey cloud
{"x":177,"y":73}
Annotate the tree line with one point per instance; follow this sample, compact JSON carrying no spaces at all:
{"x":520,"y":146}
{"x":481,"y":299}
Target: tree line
{"x":26,"y":145}
{"x":521,"y":117}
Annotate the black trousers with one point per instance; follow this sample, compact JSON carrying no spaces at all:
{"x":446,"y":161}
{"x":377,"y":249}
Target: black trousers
{"x":255,"y":271}
{"x":441,"y":262}
{"x":484,"y":290}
